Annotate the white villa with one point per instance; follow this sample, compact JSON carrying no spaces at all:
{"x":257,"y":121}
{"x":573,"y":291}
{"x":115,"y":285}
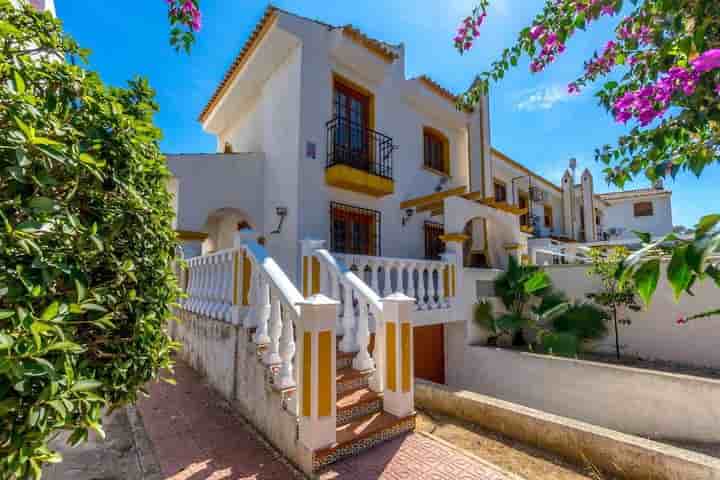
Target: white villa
{"x":337,"y":175}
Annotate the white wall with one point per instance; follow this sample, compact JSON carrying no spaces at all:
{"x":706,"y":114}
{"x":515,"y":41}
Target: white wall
{"x":640,"y":402}
{"x":207,"y":183}
{"x":654,"y":332}
{"x":620,"y":214}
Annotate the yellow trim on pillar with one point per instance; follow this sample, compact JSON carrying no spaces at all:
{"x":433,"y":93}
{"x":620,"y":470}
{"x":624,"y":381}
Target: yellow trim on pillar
{"x":305,"y":277}
{"x":325,"y":377}
{"x":452,"y":278}
{"x":247,"y":279}
{"x":236,"y":274}
{"x":406,"y":366}
{"x":360,"y":181}
{"x":315,"y":276}
{"x":454,"y":237}
{"x":307,"y":375}
{"x":446,"y":280}
{"x":391,"y":354}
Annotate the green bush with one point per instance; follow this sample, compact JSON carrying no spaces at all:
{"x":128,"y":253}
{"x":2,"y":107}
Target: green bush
{"x":559,"y":343}
{"x":586,"y":321}
{"x":86,"y":242}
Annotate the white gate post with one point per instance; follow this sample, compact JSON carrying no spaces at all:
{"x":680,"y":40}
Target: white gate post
{"x":398,"y":398}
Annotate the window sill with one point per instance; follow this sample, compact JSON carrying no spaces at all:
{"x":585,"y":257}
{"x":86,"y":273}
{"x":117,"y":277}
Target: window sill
{"x":436,"y":172}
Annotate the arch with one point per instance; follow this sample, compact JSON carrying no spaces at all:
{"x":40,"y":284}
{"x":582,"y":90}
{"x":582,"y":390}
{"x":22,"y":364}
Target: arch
{"x":221,"y":225}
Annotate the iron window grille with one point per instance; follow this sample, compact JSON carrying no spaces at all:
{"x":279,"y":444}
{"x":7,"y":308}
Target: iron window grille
{"x":433,"y":245}
{"x":355,"y":230}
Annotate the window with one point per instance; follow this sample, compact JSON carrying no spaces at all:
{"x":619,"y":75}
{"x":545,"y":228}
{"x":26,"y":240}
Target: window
{"x":643,"y":209}
{"x":352,"y":113}
{"x":354,"y":230}
{"x":500,"y":191}
{"x":435,"y":151}
{"x":523,"y":203}
{"x":548,"y":213}
{"x":433,"y":245}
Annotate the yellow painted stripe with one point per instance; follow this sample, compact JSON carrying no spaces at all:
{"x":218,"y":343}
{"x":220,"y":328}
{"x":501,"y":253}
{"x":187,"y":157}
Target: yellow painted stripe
{"x":236,"y":275}
{"x":325,"y":377}
{"x":315,"y":276}
{"x":452,"y":279}
{"x":247,"y":279}
{"x":446,"y":281}
{"x":391,"y":354}
{"x":305,"y":277}
{"x":406,"y":367}
{"x":307,"y":375}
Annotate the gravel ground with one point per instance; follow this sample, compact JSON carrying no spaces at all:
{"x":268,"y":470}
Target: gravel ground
{"x":508,"y":454}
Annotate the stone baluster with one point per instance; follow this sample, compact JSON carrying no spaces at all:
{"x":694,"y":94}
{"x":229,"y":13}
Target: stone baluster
{"x":272,"y":355}
{"x":435,"y":273}
{"x":387,"y":286}
{"x":263,"y":311}
{"x":362,"y":360}
{"x":413,"y":286}
{"x":204,"y":289}
{"x":335,"y":295}
{"x":286,"y":377}
{"x":348,"y":342}
{"x":374,"y":276}
{"x":253,"y":294}
{"x":424,"y":279}
{"x":192,"y":279}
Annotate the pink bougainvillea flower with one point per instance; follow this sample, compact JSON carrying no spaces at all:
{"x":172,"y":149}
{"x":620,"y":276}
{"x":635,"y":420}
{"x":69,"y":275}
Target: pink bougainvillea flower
{"x":536,"y":32}
{"x":573,"y":89}
{"x":717,"y":88}
{"x":707,"y":61}
{"x":681,"y":320}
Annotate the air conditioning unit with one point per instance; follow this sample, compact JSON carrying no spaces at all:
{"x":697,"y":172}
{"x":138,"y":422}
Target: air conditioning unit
{"x":539,"y":195}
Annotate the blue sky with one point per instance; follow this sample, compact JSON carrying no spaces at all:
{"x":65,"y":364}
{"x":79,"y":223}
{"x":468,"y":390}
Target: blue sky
{"x":532,"y":119}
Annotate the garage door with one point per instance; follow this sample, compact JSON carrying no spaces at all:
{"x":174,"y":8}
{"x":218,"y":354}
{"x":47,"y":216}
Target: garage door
{"x":430,"y":353}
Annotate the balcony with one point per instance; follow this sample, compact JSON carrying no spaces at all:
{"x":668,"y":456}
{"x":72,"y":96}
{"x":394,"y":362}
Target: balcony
{"x":359,"y":158}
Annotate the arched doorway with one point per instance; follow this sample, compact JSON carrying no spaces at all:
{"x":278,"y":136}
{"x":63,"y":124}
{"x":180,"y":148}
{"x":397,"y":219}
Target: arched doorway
{"x":221,"y":226}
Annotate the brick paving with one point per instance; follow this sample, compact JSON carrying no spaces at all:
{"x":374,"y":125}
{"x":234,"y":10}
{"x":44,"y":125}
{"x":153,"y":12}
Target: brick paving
{"x":196,"y":438}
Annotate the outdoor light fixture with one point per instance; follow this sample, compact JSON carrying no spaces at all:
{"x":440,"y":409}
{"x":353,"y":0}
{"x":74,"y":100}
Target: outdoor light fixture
{"x":282,"y":213}
{"x":407,"y":216}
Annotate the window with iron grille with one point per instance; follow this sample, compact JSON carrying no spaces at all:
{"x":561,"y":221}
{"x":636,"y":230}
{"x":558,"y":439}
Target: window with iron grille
{"x":354,"y":230}
{"x":433,"y":245}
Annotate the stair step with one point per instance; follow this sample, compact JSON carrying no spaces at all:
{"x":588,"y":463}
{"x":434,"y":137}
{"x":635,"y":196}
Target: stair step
{"x":349,"y":379}
{"x":344,"y":359}
{"x":356,"y":404}
{"x":362,"y":434}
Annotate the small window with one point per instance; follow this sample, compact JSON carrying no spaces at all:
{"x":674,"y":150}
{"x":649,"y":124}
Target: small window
{"x":548,"y":216}
{"x":435,"y":151}
{"x":500,"y":191}
{"x":643,"y":209}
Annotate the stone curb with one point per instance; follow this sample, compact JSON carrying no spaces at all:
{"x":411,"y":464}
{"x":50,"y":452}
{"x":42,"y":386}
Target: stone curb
{"x":146,"y":457}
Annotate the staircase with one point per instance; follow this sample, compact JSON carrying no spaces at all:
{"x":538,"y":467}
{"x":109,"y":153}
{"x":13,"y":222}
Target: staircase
{"x":361,"y":421}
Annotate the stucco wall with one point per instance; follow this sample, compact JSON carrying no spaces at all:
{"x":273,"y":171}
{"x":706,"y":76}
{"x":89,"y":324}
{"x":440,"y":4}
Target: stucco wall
{"x":207,"y":183}
{"x":640,"y":402}
{"x":620,"y":214}
{"x":654,"y":333}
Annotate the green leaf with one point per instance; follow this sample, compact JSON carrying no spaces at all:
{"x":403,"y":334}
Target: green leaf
{"x":646,"y":279}
{"x":42,"y":204}
{"x":51,"y":311}
{"x":706,"y":224}
{"x":81,"y":290}
{"x":538,"y":281}
{"x":66,"y":347}
{"x":85,"y":386}
{"x":678,"y":271}
{"x":18,"y":83}
{"x":4,"y":314}
{"x":6,"y":341}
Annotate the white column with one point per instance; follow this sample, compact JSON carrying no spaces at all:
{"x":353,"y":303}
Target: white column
{"x":286,"y":377}
{"x":362,"y":360}
{"x":387,"y":271}
{"x":272,"y":355}
{"x":316,"y":378}
{"x":263,"y":311}
{"x":399,"y":356}
{"x":348,"y":342}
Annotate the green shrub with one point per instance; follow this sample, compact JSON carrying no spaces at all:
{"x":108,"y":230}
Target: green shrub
{"x":585,"y":320}
{"x":559,"y":343}
{"x":86,"y":242}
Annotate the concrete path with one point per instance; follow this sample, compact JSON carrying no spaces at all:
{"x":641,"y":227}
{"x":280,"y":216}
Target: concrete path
{"x":195,"y":437}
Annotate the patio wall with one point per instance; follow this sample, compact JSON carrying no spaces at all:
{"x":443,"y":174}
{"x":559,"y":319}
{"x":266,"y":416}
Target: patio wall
{"x":654,"y":333}
{"x":641,"y":402}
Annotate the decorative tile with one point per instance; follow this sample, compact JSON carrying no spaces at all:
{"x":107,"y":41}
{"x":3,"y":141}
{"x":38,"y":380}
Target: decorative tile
{"x":347,"y":415}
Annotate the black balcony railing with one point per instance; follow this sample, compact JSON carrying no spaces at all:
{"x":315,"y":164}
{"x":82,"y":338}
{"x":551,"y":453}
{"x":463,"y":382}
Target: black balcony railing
{"x":357,"y":146}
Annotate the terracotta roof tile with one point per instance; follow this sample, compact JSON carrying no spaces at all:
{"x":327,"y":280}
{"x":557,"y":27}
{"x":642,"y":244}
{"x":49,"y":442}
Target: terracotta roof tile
{"x":377,"y":47}
{"x":437,"y":88}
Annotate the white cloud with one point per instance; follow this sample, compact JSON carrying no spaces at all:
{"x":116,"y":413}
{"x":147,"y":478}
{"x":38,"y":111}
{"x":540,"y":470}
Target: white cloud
{"x":543,"y":98}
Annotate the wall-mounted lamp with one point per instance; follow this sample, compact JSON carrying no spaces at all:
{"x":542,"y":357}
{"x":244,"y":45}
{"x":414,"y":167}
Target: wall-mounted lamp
{"x":407,"y":216}
{"x":282,"y":213}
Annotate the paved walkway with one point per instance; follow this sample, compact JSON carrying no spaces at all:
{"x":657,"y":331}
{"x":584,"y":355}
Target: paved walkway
{"x":196,"y":438}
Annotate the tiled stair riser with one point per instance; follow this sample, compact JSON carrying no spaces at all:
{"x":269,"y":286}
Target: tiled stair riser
{"x":355,"y":447}
{"x":352,"y":384}
{"x":356,"y":411}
